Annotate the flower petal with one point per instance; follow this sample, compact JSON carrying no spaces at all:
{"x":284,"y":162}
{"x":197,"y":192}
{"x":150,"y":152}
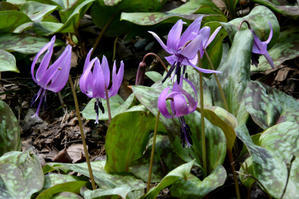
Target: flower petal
{"x":106,"y":71}
{"x":86,"y":79}
{"x":98,"y":86}
{"x":116,"y":78}
{"x":202,"y":69}
{"x":162,"y":103}
{"x":190,"y":51}
{"x":191,"y":32}
{"x":174,"y":35}
{"x":87,"y":59}
{"x":171,"y":59}
{"x":212,"y":37}
{"x":160,"y":42}
{"x":270,"y":34}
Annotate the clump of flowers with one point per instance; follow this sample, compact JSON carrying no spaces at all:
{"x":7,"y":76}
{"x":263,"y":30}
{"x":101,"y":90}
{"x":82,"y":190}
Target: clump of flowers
{"x":50,"y":77}
{"x":95,"y":81}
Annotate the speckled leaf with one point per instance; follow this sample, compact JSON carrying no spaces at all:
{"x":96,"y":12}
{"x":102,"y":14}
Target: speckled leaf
{"x":21,"y":175}
{"x":36,"y":11}
{"x":173,"y":176}
{"x":111,"y":2}
{"x":184,"y":11}
{"x":281,"y":6}
{"x":235,"y":72}
{"x":258,"y":19}
{"x":117,"y":105}
{"x":154,"y":76}
{"x":192,"y":187}
{"x":7,"y":62}
{"x":283,"y":141}
{"x":107,"y":182}
{"x":10,"y":19}
{"x":9,"y":130}
{"x":126,"y":139}
{"x":71,"y":17}
{"x":24,"y":44}
{"x":67,"y":195}
{"x":286,"y":48}
{"x":269,"y":170}
{"x":268,"y":106}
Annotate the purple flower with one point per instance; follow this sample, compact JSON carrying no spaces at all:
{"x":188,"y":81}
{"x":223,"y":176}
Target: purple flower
{"x":184,"y":48}
{"x":95,"y":79}
{"x":260,"y":47}
{"x":50,"y":77}
{"x":181,"y":104}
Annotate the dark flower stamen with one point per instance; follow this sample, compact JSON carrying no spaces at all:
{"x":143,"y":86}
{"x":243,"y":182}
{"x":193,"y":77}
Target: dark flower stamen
{"x":185,"y":133}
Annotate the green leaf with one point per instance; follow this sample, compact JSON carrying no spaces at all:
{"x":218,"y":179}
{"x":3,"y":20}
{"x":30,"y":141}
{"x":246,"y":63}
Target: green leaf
{"x":268,"y":169}
{"x":192,"y":187}
{"x":10,"y":19}
{"x":21,"y":175}
{"x":173,"y":176}
{"x":184,"y":11}
{"x":235,"y":72}
{"x":282,"y":6}
{"x":126,"y":139}
{"x":285,"y":49}
{"x":7,"y":62}
{"x":9,"y":130}
{"x":36,"y":11}
{"x":268,"y":106}
{"x":117,"y":106}
{"x":66,"y":195}
{"x":108,"y":183}
{"x":24,"y":44}
{"x":154,"y":76}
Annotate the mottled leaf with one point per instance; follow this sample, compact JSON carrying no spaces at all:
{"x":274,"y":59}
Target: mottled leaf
{"x":107,"y":182}
{"x":268,"y":106}
{"x":24,"y":44}
{"x":154,"y":76}
{"x":7,"y":62}
{"x":36,"y":10}
{"x":283,"y":7}
{"x":117,"y":106}
{"x":126,"y":139}
{"x":268,"y":169}
{"x":173,"y":176}
{"x":21,"y":175}
{"x":184,"y":11}
{"x":192,"y":187}
{"x":9,"y":130}
{"x":10,"y":19}
{"x":286,"y":48}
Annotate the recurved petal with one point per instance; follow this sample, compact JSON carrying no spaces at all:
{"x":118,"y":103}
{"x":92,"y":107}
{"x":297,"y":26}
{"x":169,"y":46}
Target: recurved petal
{"x":270,"y":34}
{"x":47,"y":57}
{"x":180,"y":106}
{"x":174,"y":35}
{"x":60,"y":70}
{"x":204,"y":35}
{"x":160,"y":42}
{"x":212,"y":37}
{"x":269,"y":59}
{"x":86,"y":79}
{"x":171,"y":59}
{"x":191,"y":49}
{"x":98,"y":86}
{"x":116,"y":78}
{"x":87,"y":59}
{"x":162,"y":103}
{"x":106,"y":71}
{"x":191,"y":32}
{"x":202,"y":69}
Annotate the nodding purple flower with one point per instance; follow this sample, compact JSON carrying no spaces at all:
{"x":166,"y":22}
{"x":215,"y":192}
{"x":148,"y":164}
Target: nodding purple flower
{"x":184,"y":48}
{"x":181,"y":104}
{"x":260,"y":48}
{"x":95,"y":80}
{"x":50,"y":77}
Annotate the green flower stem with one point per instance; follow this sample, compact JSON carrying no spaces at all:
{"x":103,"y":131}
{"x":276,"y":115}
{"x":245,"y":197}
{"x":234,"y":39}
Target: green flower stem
{"x":108,"y":105}
{"x":217,"y":81}
{"x":202,"y":118}
{"x":152,"y":153}
{"x":114,"y":48}
{"x":82,"y":134}
{"x":231,"y":160}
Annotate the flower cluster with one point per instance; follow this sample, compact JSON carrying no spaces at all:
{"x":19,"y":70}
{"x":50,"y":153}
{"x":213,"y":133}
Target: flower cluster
{"x":185,"y":49}
{"x":95,"y":81}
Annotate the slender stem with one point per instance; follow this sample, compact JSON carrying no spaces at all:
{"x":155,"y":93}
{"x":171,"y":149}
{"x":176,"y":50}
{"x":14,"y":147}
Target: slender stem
{"x":203,"y":137}
{"x":82,"y":133}
{"x":108,"y":105}
{"x":235,"y":176}
{"x":102,"y":32}
{"x":152,"y":153}
{"x":114,"y":48}
{"x":158,"y":58}
{"x":217,"y":81}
